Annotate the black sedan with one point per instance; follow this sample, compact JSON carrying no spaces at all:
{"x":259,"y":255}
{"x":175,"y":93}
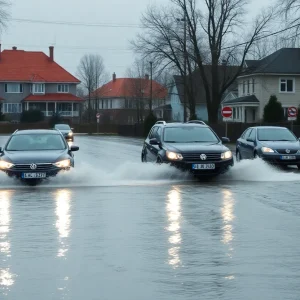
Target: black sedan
{"x":33,"y":155}
{"x":276,"y":145}
{"x":66,"y":130}
{"x":188,"y":146}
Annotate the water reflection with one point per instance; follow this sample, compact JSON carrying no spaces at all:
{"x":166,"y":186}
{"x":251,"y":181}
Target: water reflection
{"x":174,"y":220}
{"x":63,"y":222}
{"x":6,"y":277}
{"x":228,"y":216}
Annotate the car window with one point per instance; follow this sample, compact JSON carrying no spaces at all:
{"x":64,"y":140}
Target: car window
{"x":158,"y":133}
{"x":246,"y":133}
{"x":34,"y":142}
{"x":62,"y":127}
{"x":152,"y":134}
{"x":275,"y":134}
{"x":253,"y":134}
{"x":189,"y":134}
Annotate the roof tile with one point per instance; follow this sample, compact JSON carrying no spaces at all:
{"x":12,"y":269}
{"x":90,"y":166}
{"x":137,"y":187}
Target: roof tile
{"x":53,"y":97}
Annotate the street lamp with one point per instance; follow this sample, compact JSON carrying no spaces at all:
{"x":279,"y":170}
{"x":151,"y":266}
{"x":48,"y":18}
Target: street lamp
{"x":151,"y":92}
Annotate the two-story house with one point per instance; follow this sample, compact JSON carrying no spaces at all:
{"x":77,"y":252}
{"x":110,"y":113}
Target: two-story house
{"x":277,"y":74}
{"x":126,"y":100}
{"x":33,"y":80}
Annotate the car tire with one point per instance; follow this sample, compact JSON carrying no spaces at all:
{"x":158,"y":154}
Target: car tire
{"x":298,"y":166}
{"x":159,"y":161}
{"x":143,"y":158}
{"x":238,"y":156}
{"x":255,"y":155}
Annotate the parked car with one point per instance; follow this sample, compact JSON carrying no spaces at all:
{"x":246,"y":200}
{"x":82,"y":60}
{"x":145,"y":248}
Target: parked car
{"x":190,"y":146}
{"x":33,"y":155}
{"x":276,"y":145}
{"x":66,"y":130}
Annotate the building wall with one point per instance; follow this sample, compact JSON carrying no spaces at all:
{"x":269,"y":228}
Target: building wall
{"x":53,"y":88}
{"x":14,"y":97}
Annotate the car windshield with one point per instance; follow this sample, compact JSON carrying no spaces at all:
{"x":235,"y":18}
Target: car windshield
{"x":62,"y":127}
{"x":275,"y":134}
{"x":34,"y":142}
{"x":189,"y":134}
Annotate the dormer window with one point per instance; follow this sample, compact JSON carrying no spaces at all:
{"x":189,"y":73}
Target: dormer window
{"x":38,"y":88}
{"x":63,"y":88}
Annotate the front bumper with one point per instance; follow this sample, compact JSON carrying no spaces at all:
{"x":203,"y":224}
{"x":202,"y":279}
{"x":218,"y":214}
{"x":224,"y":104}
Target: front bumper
{"x":278,"y":159}
{"x":42,"y":171}
{"x":221,"y":167}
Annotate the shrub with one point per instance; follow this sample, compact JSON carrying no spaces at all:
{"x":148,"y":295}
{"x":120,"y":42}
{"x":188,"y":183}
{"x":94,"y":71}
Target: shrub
{"x":55,"y":119}
{"x":32,"y":116}
{"x":273,"y":111}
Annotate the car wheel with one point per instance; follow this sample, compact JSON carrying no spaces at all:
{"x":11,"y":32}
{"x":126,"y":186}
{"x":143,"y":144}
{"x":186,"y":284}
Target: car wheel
{"x":255,"y":155}
{"x":143,"y":157}
{"x":298,"y":166}
{"x":159,"y":161}
{"x":238,"y":156}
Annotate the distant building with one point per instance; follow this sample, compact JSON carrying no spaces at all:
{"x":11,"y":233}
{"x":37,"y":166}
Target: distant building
{"x":33,"y":80}
{"x":126,"y":100}
{"x":277,"y":74}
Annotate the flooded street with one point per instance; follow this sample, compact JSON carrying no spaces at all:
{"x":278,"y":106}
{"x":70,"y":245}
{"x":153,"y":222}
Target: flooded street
{"x":114,"y":228}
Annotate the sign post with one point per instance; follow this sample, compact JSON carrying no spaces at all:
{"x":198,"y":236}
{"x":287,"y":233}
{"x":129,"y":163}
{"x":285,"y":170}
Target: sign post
{"x":98,"y":119}
{"x":292,"y":114}
{"x":227,"y":116}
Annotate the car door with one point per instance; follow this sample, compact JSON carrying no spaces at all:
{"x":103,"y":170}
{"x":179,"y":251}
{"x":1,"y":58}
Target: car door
{"x":156,"y":148}
{"x":150,"y":155}
{"x":250,"y":144}
{"x":242,"y":145}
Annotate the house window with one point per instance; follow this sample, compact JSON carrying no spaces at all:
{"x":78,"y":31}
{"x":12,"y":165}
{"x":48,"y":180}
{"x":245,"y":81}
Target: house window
{"x":287,"y":85}
{"x":244,"y":87}
{"x":12,"y":108}
{"x":111,"y":103}
{"x":248,"y":87}
{"x":39,"y":88}
{"x":63,"y":88}
{"x":13,"y":88}
{"x":253,"y":86}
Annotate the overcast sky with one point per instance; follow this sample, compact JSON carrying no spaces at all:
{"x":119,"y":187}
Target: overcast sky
{"x":71,"y":42}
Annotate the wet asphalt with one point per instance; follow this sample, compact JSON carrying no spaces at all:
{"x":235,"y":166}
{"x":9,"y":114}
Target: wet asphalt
{"x":114,"y":228}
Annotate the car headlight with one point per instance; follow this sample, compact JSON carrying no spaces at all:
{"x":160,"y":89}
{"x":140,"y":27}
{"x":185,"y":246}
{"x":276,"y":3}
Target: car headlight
{"x":174,"y":156}
{"x":267,"y":150}
{"x":226,"y":155}
{"x":70,"y":133}
{"x":4,"y":165}
{"x":63,"y":163}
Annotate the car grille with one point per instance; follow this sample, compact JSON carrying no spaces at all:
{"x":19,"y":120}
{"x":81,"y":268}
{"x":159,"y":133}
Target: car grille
{"x":283,"y":151}
{"x":196,"y":156}
{"x":40,"y":168}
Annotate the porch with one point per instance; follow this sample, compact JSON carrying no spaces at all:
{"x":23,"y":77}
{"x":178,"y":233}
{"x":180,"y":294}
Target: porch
{"x":65,"y":109}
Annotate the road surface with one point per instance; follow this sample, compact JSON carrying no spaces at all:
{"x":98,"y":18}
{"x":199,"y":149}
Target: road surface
{"x":115,"y":228}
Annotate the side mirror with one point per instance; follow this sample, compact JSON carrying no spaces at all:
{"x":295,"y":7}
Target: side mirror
{"x":250,"y":140}
{"x":1,"y":150}
{"x":74,"y":148}
{"x":225,"y":140}
{"x":154,"y":141}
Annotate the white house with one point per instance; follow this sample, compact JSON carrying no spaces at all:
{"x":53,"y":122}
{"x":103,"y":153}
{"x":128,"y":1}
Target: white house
{"x":277,"y":74}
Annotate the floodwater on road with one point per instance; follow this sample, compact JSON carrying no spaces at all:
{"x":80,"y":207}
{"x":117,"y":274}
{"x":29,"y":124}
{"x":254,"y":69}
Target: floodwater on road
{"x":114,"y":228}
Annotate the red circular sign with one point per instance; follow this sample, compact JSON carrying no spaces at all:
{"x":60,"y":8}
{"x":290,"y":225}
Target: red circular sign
{"x":226,"y":112}
{"x":292,"y":111}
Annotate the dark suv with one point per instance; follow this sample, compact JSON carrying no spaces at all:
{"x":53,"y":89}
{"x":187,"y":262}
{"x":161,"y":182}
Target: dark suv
{"x":191,"y":146}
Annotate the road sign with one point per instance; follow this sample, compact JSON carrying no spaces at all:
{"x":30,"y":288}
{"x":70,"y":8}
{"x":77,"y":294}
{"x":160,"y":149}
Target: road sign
{"x":227,"y":112}
{"x":98,"y":115}
{"x":292,"y":113}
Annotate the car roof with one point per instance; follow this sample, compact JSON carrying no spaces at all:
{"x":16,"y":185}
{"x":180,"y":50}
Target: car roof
{"x":179,"y":124}
{"x":269,"y":127}
{"x":36,"y":131}
{"x":62,"y":124}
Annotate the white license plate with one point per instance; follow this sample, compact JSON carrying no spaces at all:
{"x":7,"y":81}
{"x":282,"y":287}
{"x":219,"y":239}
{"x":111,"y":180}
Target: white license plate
{"x":288,"y":157}
{"x":33,"y":175}
{"x":203,"y":166}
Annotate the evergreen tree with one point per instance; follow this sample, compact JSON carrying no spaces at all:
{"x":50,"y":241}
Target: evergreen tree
{"x":273,"y":111}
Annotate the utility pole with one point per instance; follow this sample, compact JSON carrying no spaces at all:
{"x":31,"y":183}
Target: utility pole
{"x":151,"y":88}
{"x":185,"y":73}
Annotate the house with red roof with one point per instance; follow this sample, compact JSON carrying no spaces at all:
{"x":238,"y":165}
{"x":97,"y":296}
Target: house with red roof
{"x":33,"y":80}
{"x":126,"y":100}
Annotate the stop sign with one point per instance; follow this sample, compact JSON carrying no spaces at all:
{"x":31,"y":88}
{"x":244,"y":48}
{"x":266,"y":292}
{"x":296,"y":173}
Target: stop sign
{"x":227,"y":112}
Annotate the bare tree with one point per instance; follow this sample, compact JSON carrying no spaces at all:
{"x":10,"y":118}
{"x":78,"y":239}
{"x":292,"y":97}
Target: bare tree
{"x":210,"y":36}
{"x":91,"y":72}
{"x":4,"y":14}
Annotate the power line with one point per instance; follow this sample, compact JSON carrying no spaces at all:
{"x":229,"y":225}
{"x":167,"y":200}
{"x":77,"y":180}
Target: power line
{"x":108,"y":25}
{"x":262,"y":37}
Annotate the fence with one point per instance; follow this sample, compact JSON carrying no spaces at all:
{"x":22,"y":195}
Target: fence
{"x":234,"y":130}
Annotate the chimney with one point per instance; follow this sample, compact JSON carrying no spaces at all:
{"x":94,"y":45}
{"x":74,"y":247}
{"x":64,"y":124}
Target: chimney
{"x":51,"y":53}
{"x":114,"y":77}
{"x":14,"y":48}
{"x":147,"y":76}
